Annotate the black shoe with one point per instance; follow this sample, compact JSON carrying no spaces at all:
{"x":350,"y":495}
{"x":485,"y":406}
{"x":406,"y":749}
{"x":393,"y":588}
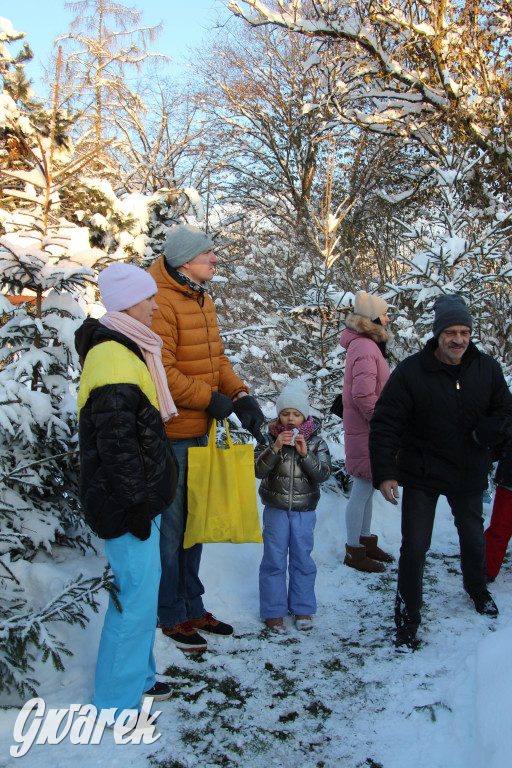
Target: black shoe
{"x":484,"y":603}
{"x":159,"y":692}
{"x":212,"y":626}
{"x":406,"y":640}
{"x":489,"y":579}
{"x":185,"y":637}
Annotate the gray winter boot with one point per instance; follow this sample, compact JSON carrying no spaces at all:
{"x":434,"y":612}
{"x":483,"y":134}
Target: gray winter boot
{"x":357,"y":558}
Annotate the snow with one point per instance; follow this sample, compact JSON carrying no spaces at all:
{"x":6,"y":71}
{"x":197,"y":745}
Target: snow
{"x":5,"y":305}
{"x":311,"y":61}
{"x":396,"y":198}
{"x":195,"y":202}
{"x":8,"y":110}
{"x":339,"y":696}
{"x":35,"y":176}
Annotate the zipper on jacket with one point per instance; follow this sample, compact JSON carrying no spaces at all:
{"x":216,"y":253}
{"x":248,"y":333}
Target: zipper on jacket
{"x":201,"y":306}
{"x":457,"y":384}
{"x":292,"y":478}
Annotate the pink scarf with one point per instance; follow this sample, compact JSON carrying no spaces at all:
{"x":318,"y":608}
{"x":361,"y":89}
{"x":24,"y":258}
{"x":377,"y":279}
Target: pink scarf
{"x":306,"y":428}
{"x":151,"y":347}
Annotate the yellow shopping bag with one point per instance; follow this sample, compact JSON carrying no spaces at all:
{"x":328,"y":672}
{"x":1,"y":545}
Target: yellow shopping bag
{"x":221,"y":493}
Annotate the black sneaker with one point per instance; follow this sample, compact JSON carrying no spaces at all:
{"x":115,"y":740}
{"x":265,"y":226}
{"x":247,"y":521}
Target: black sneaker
{"x":484,"y":603}
{"x":159,"y":692}
{"x":406,"y":640}
{"x":212,"y":626}
{"x":185,"y":637}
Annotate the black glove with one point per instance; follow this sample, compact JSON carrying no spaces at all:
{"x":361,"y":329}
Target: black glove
{"x":250,"y":415}
{"x":490,"y":431}
{"x":138,"y":521}
{"x":220,"y":406}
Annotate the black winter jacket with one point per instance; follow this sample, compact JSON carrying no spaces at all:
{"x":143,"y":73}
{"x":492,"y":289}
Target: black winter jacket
{"x":127,"y":468}
{"x":421,"y":432}
{"x":289,"y":480}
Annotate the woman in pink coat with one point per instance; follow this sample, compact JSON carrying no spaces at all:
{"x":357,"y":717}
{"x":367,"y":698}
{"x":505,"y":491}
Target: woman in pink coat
{"x":366,"y":372}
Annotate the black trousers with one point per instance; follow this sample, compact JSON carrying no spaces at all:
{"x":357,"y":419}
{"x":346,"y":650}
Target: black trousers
{"x":418,"y":512}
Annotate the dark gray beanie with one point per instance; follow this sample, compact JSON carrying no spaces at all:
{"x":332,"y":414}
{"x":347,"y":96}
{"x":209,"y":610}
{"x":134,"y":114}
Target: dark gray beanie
{"x":450,"y":309}
{"x":183,"y":243}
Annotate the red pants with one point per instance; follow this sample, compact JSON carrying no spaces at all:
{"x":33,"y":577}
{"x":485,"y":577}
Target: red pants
{"x":499,"y":531}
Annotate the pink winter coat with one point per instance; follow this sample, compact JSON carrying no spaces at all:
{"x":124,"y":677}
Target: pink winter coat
{"x":366,"y":372}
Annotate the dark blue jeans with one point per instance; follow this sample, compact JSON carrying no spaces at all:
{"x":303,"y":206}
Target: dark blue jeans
{"x":418,"y":512}
{"x":181,"y":590}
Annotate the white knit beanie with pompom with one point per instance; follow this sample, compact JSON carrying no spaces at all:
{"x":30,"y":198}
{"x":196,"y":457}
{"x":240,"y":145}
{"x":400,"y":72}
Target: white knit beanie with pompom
{"x":294,"y":395}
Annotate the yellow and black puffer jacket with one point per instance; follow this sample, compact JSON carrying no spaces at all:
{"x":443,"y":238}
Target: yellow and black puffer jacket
{"x":193,"y":353}
{"x":126,"y":462}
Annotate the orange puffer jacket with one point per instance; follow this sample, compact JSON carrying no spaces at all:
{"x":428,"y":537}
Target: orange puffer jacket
{"x":193,"y":353}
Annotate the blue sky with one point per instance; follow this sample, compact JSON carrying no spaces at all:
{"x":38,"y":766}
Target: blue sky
{"x":186,"y":24}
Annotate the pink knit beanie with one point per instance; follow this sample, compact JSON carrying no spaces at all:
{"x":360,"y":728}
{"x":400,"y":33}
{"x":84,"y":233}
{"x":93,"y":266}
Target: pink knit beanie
{"x":124,"y":285}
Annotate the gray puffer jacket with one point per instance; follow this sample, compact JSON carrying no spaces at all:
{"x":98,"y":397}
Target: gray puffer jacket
{"x":288,"y":480}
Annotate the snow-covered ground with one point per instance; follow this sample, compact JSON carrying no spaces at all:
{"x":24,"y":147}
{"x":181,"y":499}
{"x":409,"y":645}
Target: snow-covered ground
{"x":337,"y":696}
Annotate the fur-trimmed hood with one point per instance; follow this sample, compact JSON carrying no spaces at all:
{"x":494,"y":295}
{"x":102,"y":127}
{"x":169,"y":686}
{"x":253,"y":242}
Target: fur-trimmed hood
{"x":364,"y":327}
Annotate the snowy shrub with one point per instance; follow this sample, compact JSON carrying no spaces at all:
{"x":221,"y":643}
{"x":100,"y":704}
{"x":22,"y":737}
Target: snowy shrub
{"x":456,"y":245}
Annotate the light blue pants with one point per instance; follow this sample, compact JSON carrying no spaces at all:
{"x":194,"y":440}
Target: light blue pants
{"x":181,"y":589}
{"x":126,"y":665}
{"x":287,"y":536}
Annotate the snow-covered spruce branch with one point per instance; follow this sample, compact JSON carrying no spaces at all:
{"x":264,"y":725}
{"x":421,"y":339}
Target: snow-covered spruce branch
{"x":35,"y":463}
{"x":20,"y":632}
{"x":8,"y":571}
{"x":248,"y":329}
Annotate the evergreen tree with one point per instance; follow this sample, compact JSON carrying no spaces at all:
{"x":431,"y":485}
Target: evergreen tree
{"x":43,"y":271}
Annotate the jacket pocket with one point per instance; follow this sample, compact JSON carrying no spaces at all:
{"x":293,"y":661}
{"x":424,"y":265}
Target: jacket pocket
{"x":412,"y":461}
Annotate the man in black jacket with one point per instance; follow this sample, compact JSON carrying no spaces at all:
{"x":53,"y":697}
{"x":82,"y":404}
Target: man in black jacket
{"x":441,"y":411}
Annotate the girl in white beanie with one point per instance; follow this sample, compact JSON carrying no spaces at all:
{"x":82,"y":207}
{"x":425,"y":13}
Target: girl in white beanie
{"x":291,"y":464}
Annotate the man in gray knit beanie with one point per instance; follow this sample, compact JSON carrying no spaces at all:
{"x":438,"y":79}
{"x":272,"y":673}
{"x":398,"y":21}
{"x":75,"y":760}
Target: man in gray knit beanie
{"x":439,"y":414}
{"x":204,"y":387}
{"x":183,"y":243}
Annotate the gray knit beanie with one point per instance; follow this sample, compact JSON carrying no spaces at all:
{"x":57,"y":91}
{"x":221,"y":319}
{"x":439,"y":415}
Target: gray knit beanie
{"x":183,"y":243}
{"x":294,"y":395}
{"x":369,"y":306}
{"x":450,"y":309}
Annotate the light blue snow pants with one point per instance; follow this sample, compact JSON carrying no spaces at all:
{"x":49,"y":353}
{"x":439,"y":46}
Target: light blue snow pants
{"x":126,"y":665}
{"x":287,"y":535}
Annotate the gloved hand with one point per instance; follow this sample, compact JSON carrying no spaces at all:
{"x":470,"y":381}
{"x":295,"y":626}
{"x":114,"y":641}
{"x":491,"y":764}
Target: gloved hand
{"x":220,"y":406}
{"x":138,"y":521}
{"x":250,"y":415}
{"x":490,"y":431}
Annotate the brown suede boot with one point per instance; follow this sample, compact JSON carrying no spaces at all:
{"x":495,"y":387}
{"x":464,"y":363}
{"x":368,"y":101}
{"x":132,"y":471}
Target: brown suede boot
{"x":357,"y":558}
{"x":373,"y":551}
